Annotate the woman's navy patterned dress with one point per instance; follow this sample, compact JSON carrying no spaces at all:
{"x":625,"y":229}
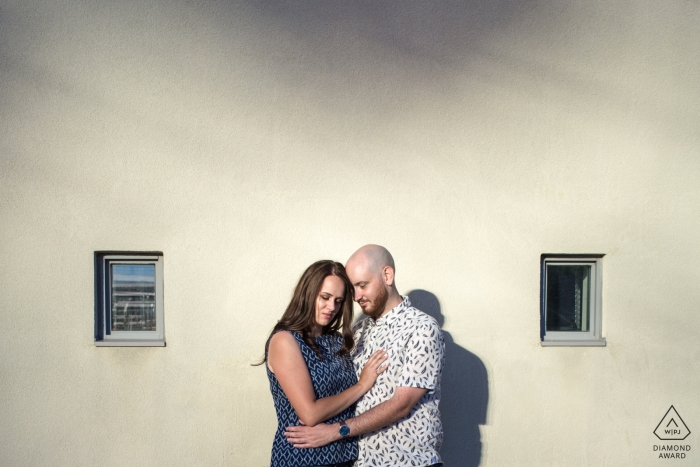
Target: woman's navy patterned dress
{"x":330,"y":376}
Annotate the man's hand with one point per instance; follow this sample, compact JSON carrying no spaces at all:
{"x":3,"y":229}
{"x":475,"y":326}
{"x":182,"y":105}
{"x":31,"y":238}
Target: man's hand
{"x":312,"y":436}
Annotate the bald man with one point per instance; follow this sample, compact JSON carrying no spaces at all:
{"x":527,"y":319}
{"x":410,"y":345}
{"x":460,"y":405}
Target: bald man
{"x":398,"y":420}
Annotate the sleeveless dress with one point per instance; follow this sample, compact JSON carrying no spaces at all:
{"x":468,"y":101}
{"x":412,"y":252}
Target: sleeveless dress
{"x":329,"y":376}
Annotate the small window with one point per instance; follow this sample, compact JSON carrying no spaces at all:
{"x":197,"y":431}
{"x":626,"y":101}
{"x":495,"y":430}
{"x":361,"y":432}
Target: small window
{"x":129,"y":299}
{"x":571,"y":300}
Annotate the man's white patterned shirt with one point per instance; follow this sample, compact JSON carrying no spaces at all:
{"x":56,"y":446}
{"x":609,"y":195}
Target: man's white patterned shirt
{"x":416,"y":354}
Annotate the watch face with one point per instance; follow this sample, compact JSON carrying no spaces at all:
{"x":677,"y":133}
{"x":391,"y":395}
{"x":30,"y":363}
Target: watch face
{"x":344,"y":430}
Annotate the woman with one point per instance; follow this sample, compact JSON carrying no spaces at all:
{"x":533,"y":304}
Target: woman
{"x":309,"y":367}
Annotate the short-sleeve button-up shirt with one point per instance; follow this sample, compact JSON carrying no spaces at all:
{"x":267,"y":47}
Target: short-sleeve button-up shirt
{"x":416,"y":354}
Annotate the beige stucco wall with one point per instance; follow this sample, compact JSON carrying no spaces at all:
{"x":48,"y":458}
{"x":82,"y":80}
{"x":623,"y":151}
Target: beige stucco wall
{"x":247,"y":139}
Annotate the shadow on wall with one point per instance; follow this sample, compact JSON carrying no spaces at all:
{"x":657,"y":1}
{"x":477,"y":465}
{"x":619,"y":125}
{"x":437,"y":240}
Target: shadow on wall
{"x":465,"y":393}
{"x":447,"y":31}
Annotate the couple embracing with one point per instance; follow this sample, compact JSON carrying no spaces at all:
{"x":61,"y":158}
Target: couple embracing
{"x":362,"y":396}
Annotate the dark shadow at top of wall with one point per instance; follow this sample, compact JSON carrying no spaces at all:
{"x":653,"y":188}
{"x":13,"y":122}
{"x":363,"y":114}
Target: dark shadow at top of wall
{"x":465,"y":393}
{"x":443,"y":32}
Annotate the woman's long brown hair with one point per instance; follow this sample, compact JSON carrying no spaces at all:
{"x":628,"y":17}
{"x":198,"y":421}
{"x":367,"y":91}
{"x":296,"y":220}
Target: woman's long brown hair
{"x":300,"y":315}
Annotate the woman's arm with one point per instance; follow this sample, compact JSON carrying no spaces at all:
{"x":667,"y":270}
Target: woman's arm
{"x":285,"y":360}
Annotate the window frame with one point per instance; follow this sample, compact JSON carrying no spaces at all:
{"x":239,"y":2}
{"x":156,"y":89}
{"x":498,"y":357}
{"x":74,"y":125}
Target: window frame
{"x":104,"y":336}
{"x":591,"y":338}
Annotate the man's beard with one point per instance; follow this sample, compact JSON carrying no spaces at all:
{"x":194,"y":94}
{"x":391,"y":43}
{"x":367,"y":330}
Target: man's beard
{"x":376,"y":307}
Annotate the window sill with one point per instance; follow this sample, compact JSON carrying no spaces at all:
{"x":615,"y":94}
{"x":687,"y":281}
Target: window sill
{"x":130,"y":343}
{"x":575,"y":343}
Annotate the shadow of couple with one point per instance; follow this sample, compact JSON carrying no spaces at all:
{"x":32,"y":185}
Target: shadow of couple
{"x":465,"y":393}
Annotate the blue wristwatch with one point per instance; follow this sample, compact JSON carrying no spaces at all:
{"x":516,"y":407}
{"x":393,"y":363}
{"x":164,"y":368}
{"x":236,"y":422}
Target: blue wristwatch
{"x":344,"y":430}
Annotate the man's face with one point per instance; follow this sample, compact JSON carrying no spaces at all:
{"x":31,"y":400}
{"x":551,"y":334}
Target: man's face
{"x":370,"y":289}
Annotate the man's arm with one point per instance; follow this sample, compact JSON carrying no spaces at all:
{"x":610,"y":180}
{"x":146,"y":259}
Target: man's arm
{"x":384,"y":414}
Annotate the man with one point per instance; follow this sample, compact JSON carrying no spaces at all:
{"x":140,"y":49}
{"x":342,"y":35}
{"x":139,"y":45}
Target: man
{"x":398,"y":421}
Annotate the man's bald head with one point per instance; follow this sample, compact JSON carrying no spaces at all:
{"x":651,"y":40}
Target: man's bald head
{"x":374,"y":257}
{"x":371,"y":271}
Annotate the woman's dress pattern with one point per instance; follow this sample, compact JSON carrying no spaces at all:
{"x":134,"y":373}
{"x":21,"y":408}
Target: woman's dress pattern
{"x":330,"y":375}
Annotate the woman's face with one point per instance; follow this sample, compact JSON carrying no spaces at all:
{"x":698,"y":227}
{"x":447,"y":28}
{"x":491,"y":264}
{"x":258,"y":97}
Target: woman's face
{"x":328,"y":301}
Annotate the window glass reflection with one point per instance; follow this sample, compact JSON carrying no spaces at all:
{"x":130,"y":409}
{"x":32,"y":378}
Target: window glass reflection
{"x":133,"y":292}
{"x":568,"y":298}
